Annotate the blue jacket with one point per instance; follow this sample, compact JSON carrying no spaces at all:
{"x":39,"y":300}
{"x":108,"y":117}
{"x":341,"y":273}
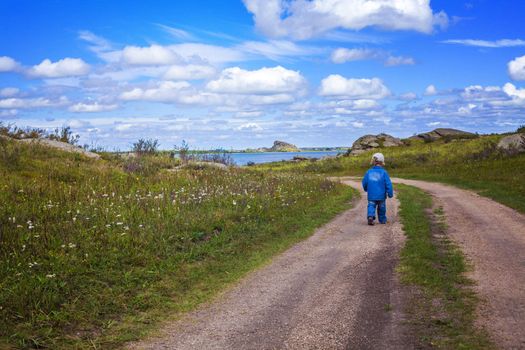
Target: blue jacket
{"x":377,"y":183}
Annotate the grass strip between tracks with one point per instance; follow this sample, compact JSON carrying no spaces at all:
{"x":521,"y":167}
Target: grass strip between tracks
{"x":441,"y":304}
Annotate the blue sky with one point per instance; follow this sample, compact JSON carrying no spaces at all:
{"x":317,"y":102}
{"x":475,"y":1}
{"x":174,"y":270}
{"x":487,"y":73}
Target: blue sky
{"x":238,"y":74}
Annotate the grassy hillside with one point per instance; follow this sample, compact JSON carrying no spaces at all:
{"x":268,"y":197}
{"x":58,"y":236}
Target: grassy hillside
{"x":94,"y":252}
{"x":474,"y":164}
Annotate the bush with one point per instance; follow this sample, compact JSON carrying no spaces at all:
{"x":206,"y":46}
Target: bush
{"x":15,"y":132}
{"x":521,"y":129}
{"x":64,"y":134}
{"x":146,"y":147}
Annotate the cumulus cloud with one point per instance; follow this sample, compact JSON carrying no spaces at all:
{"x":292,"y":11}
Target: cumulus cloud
{"x":517,"y":68}
{"x":430,"y":90}
{"x":337,"y":86}
{"x":342,"y":55}
{"x":302,"y":19}
{"x":487,"y":43}
{"x":514,"y":92}
{"x":273,"y":80}
{"x":66,"y":67}
{"x":92,"y":107}
{"x":7,"y":64}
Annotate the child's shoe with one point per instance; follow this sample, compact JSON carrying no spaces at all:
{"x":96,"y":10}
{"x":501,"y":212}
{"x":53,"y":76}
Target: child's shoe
{"x":370,"y":221}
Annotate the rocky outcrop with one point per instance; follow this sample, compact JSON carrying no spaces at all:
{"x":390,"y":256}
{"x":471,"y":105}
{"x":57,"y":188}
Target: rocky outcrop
{"x":369,"y":142}
{"x":443,"y":133}
{"x":512,"y":143}
{"x":281,"y":146}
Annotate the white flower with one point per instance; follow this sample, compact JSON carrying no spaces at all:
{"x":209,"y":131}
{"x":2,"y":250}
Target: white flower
{"x":72,"y":245}
{"x":51,"y":276}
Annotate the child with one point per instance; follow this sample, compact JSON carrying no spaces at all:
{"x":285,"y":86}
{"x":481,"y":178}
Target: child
{"x":378,"y":185}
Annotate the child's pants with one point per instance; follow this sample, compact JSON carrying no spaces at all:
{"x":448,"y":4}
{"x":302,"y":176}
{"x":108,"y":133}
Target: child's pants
{"x":381,"y":210}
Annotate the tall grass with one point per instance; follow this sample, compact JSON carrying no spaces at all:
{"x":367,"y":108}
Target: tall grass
{"x":91,"y":254}
{"x":475,"y":164}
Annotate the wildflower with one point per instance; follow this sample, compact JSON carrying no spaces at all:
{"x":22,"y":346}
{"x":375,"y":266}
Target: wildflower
{"x":119,"y":223}
{"x":51,"y":276}
{"x":72,"y":245}
{"x":234,"y":202}
{"x":31,"y":264}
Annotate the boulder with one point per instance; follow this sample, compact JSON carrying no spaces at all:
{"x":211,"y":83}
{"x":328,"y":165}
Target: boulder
{"x":440,"y":133}
{"x":369,"y":142}
{"x":512,"y":143}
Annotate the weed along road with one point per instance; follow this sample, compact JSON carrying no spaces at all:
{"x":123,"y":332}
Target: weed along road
{"x":336,"y":290}
{"x":339,"y":290}
{"x":492,"y":236}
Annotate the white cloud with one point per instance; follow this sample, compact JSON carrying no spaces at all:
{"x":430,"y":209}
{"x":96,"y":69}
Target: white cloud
{"x":398,"y":61}
{"x":7,"y":64}
{"x":431,"y":90}
{"x":250,"y":126}
{"x":342,"y":55}
{"x":189,"y":72}
{"x":358,"y":125}
{"x":273,"y":80}
{"x":409,"y":96}
{"x":517,"y":68}
{"x":487,"y":43}
{"x":66,"y":67}
{"x":277,"y":49}
{"x":150,"y":55}
{"x":211,"y":54}
{"x":177,"y":32}
{"x":92,"y":107}
{"x":248,"y":114}
{"x":338,"y":86}
{"x":171,"y":92}
{"x":9,"y":91}
{"x":302,"y":19}
{"x":11,"y":103}
{"x":514,"y":92}
{"x":165,"y":91}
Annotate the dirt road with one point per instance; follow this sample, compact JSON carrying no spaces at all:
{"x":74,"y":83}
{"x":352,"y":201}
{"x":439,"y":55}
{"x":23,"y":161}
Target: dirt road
{"x":336,"y":290}
{"x":492,"y":236}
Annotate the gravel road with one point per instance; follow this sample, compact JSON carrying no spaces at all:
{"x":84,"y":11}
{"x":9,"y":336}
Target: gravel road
{"x":338,"y":289}
{"x":335,"y":290}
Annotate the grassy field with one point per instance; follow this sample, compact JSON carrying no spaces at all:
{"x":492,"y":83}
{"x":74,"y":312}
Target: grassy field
{"x":442,"y":311}
{"x":95,"y":252}
{"x":473,"y":164}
